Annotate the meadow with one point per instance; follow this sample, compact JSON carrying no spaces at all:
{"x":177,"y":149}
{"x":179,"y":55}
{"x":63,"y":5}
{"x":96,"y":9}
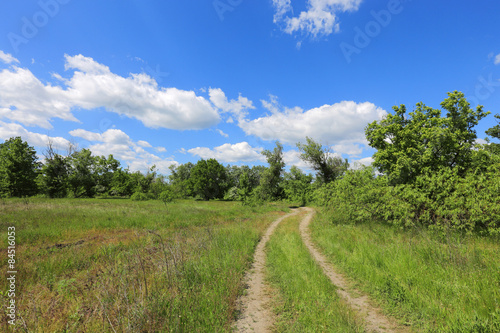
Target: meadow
{"x":116,"y":265}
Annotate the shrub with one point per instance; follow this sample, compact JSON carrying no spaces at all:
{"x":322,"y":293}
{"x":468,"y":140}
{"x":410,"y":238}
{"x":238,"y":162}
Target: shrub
{"x":139,"y":196}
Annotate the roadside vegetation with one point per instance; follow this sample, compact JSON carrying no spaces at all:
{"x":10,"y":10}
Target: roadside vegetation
{"x":433,"y":282}
{"x":118,"y":265}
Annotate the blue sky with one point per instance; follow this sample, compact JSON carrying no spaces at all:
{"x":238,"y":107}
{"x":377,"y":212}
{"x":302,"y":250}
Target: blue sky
{"x":165,"y":82}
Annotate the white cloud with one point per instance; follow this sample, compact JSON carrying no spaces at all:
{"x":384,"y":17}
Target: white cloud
{"x":122,"y":147}
{"x":161,"y":149}
{"x":497,"y":59}
{"x":338,"y":124}
{"x":319,"y":19}
{"x":7,"y":58}
{"x":222,"y":133}
{"x":25,"y":99}
{"x":349,"y":148}
{"x":239,"y":152}
{"x":144,"y":144}
{"x":292,"y":157}
{"x":237,"y":107}
{"x":9,"y":130}
{"x":356,"y":164}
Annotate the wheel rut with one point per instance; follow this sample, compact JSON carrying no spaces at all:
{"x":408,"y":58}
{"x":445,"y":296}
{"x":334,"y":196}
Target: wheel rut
{"x":254,"y":306}
{"x":375,"y":320}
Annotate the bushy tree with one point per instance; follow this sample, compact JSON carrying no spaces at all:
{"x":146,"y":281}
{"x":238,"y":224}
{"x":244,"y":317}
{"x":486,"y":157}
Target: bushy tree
{"x":270,"y":187}
{"x":209,"y":179}
{"x":18,"y":168}
{"x":298,"y":186}
{"x":179,"y":179}
{"x":328,"y":166}
{"x":423,"y":141}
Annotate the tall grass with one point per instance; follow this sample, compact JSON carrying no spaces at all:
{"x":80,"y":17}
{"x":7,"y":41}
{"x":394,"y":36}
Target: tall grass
{"x":446,"y":282}
{"x":307,"y":301}
{"x":122,"y":266}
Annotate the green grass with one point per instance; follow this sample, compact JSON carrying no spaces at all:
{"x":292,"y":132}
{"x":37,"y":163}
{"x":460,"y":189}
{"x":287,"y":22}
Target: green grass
{"x":118,"y":265}
{"x":307,"y":301}
{"x":433,"y":282}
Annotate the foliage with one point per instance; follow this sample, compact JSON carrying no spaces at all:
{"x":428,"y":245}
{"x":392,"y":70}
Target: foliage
{"x":298,"y":186}
{"x":423,"y":141}
{"x":18,"y":168}
{"x":209,"y":179}
{"x":166,"y":196}
{"x":179,"y":179}
{"x":139,"y":196}
{"x":245,"y":188}
{"x":54,"y":175}
{"x":329,"y":167}
{"x":270,"y":187}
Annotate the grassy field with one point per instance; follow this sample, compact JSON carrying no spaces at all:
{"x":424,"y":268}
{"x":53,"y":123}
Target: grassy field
{"x":306,"y":300}
{"x":121,"y":266}
{"x":432,"y":282}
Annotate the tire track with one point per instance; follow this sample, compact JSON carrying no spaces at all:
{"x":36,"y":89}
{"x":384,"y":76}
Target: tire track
{"x":255,"y":315}
{"x":375,"y":320}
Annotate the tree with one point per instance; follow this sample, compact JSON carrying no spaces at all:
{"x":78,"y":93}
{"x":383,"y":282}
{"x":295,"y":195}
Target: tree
{"x":82,"y":176}
{"x":209,"y":179}
{"x":270,"y":182}
{"x":423,"y":141}
{"x":179,"y":179}
{"x":494,"y":132}
{"x":18,"y":168}
{"x":245,"y":188}
{"x":297,"y":185}
{"x":321,"y":159}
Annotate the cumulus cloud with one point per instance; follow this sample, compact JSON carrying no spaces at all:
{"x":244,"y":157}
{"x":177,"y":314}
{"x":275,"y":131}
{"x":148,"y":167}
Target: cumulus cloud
{"x":340,"y":124}
{"x":7,"y":58}
{"x":320,"y":19}
{"x":161,"y":149}
{"x":237,"y":107}
{"x":122,"y":147}
{"x":239,"y":152}
{"x":9,"y":130}
{"x":25,"y":99}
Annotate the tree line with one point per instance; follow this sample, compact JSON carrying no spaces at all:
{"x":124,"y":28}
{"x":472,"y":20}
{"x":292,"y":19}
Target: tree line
{"x":79,"y":174}
{"x":428,"y":170}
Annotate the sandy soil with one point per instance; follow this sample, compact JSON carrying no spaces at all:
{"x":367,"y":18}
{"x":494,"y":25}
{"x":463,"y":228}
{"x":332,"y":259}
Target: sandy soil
{"x":256,"y":316}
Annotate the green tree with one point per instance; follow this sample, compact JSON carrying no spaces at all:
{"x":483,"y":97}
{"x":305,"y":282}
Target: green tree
{"x":244,"y":188}
{"x":104,"y":171}
{"x":297,"y":186}
{"x":270,"y":187}
{"x":329,"y":167}
{"x":209,"y":179}
{"x":494,"y":132}
{"x":423,"y":141}
{"x":179,"y":179}
{"x":18,"y":168}
{"x":54,"y":176}
{"x":82,"y":177}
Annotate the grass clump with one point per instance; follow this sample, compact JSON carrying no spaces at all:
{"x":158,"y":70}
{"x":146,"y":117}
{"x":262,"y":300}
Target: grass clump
{"x":434,"y":282}
{"x":308,"y":301}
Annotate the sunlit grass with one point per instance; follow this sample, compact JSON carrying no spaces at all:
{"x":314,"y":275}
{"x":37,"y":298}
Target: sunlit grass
{"x":433,"y":282}
{"x":124,"y":266}
{"x":306,"y":299}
